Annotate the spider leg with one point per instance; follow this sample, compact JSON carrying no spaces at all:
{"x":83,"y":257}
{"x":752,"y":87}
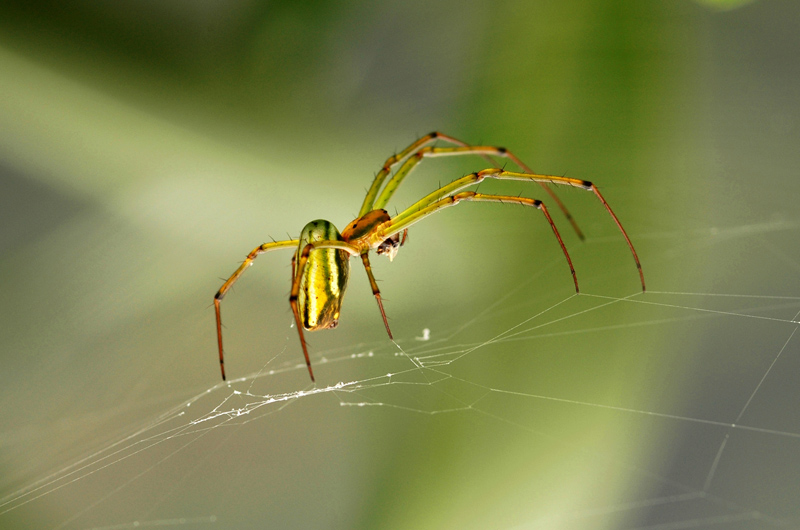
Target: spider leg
{"x":474,"y":178}
{"x":406,"y":219}
{"x":411,"y":160}
{"x":375,"y":290}
{"x":266,"y":247}
{"x":367,"y":205}
{"x":302,"y":261}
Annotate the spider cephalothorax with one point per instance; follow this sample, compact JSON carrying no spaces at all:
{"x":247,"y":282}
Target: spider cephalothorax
{"x":321,"y":262}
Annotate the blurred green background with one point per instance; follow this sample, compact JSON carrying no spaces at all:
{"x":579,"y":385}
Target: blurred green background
{"x":146,"y":147}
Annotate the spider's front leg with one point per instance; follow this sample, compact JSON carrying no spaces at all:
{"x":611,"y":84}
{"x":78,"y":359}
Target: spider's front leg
{"x":420,"y":149}
{"x":499,"y":174}
{"x":416,"y":213}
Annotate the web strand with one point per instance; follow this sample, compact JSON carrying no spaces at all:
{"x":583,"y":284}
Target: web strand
{"x":432,"y":365}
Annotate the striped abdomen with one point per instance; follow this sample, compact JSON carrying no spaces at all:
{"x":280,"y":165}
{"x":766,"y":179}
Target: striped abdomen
{"x":325,"y":277}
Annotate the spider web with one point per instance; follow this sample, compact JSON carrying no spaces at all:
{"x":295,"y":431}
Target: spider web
{"x":507,"y":401}
{"x":533,"y":409}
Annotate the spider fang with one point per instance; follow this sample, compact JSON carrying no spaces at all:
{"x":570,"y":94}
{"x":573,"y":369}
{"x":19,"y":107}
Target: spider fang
{"x":391,"y":245}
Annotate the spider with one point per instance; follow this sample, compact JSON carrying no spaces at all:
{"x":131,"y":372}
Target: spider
{"x":321,"y":261}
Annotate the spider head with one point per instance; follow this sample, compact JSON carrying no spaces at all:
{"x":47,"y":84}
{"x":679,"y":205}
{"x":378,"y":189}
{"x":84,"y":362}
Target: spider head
{"x":391,"y":245}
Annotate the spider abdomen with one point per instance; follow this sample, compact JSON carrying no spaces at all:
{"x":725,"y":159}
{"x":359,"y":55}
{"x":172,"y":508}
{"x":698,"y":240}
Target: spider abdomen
{"x":324,"y":279}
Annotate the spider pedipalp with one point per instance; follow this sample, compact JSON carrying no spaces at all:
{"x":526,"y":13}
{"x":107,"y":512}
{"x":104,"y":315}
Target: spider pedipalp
{"x":391,"y":245}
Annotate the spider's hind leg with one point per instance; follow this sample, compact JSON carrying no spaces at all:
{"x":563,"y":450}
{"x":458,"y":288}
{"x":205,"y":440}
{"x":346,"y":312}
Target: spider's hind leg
{"x":266,"y":247}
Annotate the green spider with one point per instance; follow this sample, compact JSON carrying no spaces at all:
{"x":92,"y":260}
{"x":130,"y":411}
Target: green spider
{"x":321,"y":261}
